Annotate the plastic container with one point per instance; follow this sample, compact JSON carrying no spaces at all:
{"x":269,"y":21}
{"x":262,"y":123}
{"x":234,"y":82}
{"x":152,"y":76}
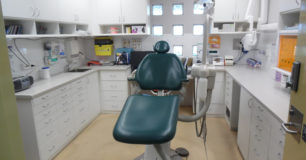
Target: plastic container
{"x":45,"y":73}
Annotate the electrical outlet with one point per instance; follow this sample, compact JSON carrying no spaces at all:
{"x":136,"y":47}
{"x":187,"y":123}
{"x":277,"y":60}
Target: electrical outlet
{"x":236,"y":44}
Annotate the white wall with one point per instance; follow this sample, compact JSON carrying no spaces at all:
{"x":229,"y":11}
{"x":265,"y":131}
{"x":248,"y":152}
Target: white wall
{"x":35,"y":54}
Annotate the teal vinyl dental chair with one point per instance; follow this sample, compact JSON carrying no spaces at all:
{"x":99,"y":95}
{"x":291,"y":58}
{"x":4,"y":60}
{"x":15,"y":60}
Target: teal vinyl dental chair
{"x":152,"y":120}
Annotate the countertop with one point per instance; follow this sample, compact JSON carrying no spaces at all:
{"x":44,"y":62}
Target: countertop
{"x":258,"y":82}
{"x":262,"y":86}
{"x":42,"y":86}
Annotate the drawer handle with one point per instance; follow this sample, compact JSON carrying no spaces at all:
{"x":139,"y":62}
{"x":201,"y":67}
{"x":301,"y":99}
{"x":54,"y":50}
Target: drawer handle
{"x":51,"y":149}
{"x":46,"y":114}
{"x":45,"y":106}
{"x":67,"y":120}
{"x":65,"y":96}
{"x":48,"y":122}
{"x":69,"y":133}
{"x":50,"y":133}
{"x":44,"y":98}
{"x":284,"y":126}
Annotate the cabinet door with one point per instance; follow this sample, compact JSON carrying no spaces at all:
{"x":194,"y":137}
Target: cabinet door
{"x":134,"y":11}
{"x":93,"y":95}
{"x":241,"y":7}
{"x":18,"y":8}
{"x":225,"y":10}
{"x":67,"y":10}
{"x":82,"y":11}
{"x":108,"y":12}
{"x":244,"y":122}
{"x":47,"y":10}
{"x":287,"y":5}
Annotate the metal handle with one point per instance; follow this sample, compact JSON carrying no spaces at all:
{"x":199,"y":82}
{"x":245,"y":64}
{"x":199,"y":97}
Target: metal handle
{"x":284,"y":126}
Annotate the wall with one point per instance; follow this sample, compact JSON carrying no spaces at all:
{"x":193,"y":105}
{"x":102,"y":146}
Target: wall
{"x":35,"y":55}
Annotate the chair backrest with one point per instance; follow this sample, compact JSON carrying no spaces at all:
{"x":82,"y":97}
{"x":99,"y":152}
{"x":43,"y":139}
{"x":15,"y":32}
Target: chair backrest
{"x":160,"y":70}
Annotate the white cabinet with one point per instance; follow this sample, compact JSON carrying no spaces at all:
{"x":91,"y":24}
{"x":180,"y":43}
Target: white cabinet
{"x":18,"y":8}
{"x":134,"y":11}
{"x":108,"y":12}
{"x":114,"y":88}
{"x":74,"y":11}
{"x":83,"y":12}
{"x":50,"y":121}
{"x":94,"y":95}
{"x":289,"y":5}
{"x":234,"y":10}
{"x":47,"y":9}
{"x":121,"y":12}
{"x":225,"y":10}
{"x":244,"y":123}
{"x":232,"y":89}
{"x":217,"y":106}
{"x":260,"y":135}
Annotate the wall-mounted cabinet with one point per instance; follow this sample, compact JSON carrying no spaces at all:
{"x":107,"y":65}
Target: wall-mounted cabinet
{"x":126,"y":13}
{"x":18,"y":8}
{"x":78,"y":11}
{"x":289,"y":5}
{"x":234,"y":10}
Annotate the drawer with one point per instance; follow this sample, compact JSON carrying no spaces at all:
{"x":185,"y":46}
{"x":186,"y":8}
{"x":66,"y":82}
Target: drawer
{"x":220,"y":77}
{"x":45,"y":114}
{"x":78,"y":89}
{"x":114,"y":95}
{"x":113,"y":105}
{"x":65,"y":107}
{"x":45,"y":97}
{"x":63,"y":96}
{"x":47,"y":135}
{"x":114,"y":85}
{"x":66,"y":135}
{"x":276,"y":152}
{"x":79,"y":82}
{"x":37,"y":108}
{"x":48,"y":150}
{"x":81,"y":109}
{"x":65,"y":121}
{"x":45,"y":123}
{"x":113,"y":75}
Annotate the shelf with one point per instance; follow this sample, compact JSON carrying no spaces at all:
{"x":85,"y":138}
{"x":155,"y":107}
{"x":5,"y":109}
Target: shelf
{"x":121,"y":34}
{"x":229,"y":33}
{"x":289,"y":32}
{"x":28,"y":36}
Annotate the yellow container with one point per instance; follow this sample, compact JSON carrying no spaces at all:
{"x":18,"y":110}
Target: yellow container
{"x":104,"y":50}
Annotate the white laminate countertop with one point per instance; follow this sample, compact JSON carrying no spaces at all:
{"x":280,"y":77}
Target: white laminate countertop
{"x":262,"y":86}
{"x":42,"y":86}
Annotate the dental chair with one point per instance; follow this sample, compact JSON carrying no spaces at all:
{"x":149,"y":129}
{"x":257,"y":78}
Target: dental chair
{"x":148,"y":119}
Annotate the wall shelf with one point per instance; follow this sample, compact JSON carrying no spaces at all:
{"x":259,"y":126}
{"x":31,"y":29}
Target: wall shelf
{"x":289,"y":32}
{"x":228,"y":33}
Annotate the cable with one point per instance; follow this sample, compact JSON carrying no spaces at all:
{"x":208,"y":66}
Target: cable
{"x":18,"y":57}
{"x":15,"y":44}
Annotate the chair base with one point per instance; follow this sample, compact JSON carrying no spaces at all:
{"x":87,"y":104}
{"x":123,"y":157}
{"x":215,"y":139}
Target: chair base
{"x":151,"y":153}
{"x":173,"y":155}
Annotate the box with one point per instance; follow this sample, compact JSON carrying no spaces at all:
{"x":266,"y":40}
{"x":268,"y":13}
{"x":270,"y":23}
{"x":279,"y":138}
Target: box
{"x":138,"y":29}
{"x":123,"y":55}
{"x":104,"y":50}
{"x":103,"y":46}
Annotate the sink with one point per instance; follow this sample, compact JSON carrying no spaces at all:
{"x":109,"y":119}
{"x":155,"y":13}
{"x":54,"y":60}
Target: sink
{"x":79,"y":70}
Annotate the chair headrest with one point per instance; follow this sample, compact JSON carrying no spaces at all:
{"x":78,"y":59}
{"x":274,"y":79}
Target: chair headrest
{"x":161,"y":47}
